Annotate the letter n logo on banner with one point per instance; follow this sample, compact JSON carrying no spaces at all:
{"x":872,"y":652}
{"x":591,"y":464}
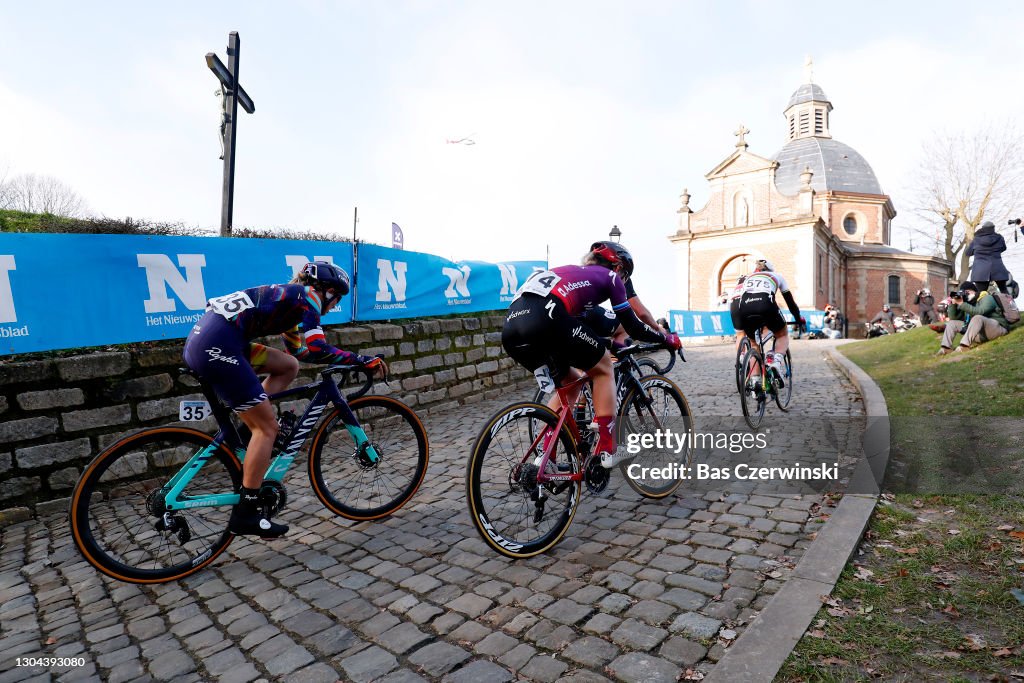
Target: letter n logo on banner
{"x":509,"y":281}
{"x":677,"y":324}
{"x":296,"y":262}
{"x":161,"y":274}
{"x":7,"y":312}
{"x":458,"y":281}
{"x":697,"y":325}
{"x":391,"y":279}
{"x":716,"y":322}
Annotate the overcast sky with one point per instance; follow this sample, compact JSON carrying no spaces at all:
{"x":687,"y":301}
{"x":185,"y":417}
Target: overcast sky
{"x":584,"y":114}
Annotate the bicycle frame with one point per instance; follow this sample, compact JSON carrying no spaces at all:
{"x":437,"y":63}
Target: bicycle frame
{"x":326,"y":393}
{"x":567,"y":396}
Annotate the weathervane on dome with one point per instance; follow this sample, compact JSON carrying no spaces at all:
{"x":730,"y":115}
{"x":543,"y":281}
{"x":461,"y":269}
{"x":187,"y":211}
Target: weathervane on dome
{"x":809,"y":69}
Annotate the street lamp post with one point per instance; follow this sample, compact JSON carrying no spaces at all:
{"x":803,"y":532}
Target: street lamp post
{"x":615,"y":233}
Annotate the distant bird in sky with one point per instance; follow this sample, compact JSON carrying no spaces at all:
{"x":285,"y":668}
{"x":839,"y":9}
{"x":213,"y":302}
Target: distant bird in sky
{"x":468,"y":140}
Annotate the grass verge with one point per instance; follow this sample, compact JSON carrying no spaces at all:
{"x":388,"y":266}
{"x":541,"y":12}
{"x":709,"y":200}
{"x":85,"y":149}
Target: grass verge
{"x":935,"y":592}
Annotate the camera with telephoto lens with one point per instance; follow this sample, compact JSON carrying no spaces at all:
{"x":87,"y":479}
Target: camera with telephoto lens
{"x":1013,"y":221}
{"x":957,"y":294}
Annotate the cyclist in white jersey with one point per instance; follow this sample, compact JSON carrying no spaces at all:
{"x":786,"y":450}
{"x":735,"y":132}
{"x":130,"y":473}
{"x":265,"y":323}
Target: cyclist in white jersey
{"x":758,"y":309}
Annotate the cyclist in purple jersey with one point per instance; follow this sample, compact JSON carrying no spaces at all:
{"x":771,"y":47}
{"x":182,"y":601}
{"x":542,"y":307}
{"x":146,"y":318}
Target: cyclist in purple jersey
{"x":220,"y":351}
{"x":543,"y":334}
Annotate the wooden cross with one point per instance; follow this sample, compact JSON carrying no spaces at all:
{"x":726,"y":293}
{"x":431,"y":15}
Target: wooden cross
{"x":232,"y":95}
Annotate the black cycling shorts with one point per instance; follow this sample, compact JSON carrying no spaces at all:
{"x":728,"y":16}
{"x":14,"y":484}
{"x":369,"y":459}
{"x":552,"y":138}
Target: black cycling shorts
{"x":538,"y":331}
{"x":734,"y":314}
{"x":218,"y":352}
{"x":601,"y":320}
{"x":759,"y":310}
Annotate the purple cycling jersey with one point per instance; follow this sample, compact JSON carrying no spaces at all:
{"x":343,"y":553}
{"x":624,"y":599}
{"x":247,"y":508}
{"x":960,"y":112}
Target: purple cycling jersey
{"x":292,"y":311}
{"x":582,"y":287}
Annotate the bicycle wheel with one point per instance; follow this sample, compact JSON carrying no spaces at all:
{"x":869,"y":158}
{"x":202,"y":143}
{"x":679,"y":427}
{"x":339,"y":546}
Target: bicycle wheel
{"x":658,"y":404}
{"x":648,"y":367}
{"x":116,"y":507}
{"x":514,"y":515}
{"x":752,"y":395}
{"x":785,"y":394}
{"x":741,"y":351}
{"x":341,"y":473}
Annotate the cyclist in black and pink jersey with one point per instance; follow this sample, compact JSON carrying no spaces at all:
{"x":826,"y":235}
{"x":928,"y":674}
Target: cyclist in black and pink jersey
{"x":543,"y":334}
{"x":758,"y":309}
{"x":220,"y":351}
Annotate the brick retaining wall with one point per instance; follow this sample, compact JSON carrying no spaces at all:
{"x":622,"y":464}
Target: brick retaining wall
{"x":55,"y":414}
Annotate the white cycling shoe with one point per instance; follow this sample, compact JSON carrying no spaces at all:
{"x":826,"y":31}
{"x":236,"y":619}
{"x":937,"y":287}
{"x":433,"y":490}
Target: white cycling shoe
{"x":610,"y":460}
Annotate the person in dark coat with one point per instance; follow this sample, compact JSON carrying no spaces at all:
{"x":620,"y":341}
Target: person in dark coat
{"x":925,"y":306}
{"x":986,"y":248}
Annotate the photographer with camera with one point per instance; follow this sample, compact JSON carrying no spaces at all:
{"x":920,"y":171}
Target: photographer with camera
{"x":925,"y":306}
{"x":885,"y":316}
{"x":986,"y":248}
{"x":984,"y":318}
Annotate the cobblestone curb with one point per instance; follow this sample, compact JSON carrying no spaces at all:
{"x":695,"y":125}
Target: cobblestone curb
{"x":766,"y":644}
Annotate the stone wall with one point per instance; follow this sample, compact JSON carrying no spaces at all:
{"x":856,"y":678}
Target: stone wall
{"x":57,"y":413}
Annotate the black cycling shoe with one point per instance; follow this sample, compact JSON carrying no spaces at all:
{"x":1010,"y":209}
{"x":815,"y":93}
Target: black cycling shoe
{"x":254,"y":524}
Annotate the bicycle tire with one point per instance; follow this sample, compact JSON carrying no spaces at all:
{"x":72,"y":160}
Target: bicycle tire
{"x":785,"y":395}
{"x":648,"y":367}
{"x":500,"y":505}
{"x":741,"y":351}
{"x":668,"y":408}
{"x":348,"y":484}
{"x":111,"y":511}
{"x":752,"y":396}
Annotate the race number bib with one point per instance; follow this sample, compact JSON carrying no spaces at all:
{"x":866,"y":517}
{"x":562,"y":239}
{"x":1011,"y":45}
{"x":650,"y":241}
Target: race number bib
{"x":544,"y":379}
{"x":193,"y":411}
{"x":540,"y":283}
{"x":230,"y":305}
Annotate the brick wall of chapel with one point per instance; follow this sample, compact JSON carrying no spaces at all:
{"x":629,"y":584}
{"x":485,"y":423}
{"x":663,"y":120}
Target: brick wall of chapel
{"x":706,"y":268}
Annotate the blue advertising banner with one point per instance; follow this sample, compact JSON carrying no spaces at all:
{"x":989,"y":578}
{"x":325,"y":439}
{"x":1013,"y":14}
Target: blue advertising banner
{"x":719,"y":323}
{"x":65,"y":291}
{"x":406,"y":284}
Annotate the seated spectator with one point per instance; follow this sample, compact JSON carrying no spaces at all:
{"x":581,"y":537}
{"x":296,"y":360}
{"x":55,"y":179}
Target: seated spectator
{"x":984,"y":319}
{"x":886,"y":317}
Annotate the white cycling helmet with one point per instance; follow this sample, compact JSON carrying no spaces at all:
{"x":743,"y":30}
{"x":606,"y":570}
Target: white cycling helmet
{"x":765,"y":264}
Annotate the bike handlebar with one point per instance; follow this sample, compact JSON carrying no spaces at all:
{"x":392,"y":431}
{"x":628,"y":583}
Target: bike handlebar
{"x":346,"y":374}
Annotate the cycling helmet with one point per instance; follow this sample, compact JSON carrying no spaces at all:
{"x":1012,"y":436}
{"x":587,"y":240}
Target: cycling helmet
{"x":325,"y":277}
{"x":765,"y":264}
{"x":885,"y":307}
{"x":616,"y":255}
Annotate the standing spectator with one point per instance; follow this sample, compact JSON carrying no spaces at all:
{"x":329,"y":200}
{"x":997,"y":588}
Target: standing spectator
{"x":985,"y":319}
{"x":925,"y":306}
{"x":986,"y":248}
{"x":833,"y":322}
{"x":886,"y":316}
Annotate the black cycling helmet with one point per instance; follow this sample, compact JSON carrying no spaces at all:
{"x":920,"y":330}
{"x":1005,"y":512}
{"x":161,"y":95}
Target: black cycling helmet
{"x":616,"y":255}
{"x":326,"y":276}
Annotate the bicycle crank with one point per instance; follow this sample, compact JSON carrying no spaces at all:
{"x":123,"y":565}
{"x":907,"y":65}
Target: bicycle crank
{"x":273,"y":497}
{"x":596,"y":476}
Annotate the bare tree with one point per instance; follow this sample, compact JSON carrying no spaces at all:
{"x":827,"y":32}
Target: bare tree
{"x":41,"y":194}
{"x":966,"y":178}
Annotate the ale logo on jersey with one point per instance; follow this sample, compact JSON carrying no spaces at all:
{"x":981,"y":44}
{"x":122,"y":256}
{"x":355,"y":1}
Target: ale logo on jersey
{"x":390,"y":284}
{"x":8,"y":313}
{"x":457,"y":292}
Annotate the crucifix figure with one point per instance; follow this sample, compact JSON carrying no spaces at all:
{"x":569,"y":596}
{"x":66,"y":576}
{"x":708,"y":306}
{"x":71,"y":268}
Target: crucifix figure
{"x":740,"y":133}
{"x":232,"y":95}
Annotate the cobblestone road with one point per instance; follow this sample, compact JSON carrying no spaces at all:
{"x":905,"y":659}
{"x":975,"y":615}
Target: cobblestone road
{"x":636,"y":591}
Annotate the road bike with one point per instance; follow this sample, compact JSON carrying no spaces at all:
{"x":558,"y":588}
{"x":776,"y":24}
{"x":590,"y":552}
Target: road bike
{"x":525,"y":475}
{"x":154,"y":506}
{"x":757,"y":387}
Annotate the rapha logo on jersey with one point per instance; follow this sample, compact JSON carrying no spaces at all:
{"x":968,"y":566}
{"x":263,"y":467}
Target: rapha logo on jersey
{"x":581,"y":334}
{"x":390,"y":284}
{"x":509,"y":281}
{"x":161,"y":275}
{"x":458,"y":285}
{"x":216,"y":354}
{"x":7,"y":312}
